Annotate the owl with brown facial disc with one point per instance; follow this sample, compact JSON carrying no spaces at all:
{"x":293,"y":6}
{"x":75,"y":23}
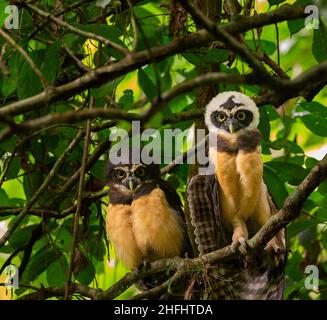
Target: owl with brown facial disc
{"x":244,"y":200}
{"x":145,"y":220}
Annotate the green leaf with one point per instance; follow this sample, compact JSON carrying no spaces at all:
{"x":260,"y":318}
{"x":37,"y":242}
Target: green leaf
{"x":106,"y":89}
{"x":57,"y":272}
{"x":51,"y":63}
{"x":13,"y":169}
{"x":296,"y":227}
{"x":290,"y":146}
{"x":28,"y":83}
{"x":3,"y":14}
{"x":205,"y":57}
{"x":319,"y":45}
{"x":98,"y":169}
{"x":314,"y":107}
{"x":288,"y":172}
{"x":40,"y":262}
{"x":21,"y":236}
{"x":295,"y":26}
{"x":4,"y":200}
{"x":275,"y":186}
{"x":109,"y":32}
{"x":264,"y":125}
{"x":147,"y":85}
{"x":87,"y":274}
{"x":179,"y":103}
{"x":271,"y":111}
{"x":316,"y":124}
{"x":268,"y":47}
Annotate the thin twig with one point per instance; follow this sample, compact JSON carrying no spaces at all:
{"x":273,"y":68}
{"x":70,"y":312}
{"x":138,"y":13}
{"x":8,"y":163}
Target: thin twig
{"x":79,"y":202}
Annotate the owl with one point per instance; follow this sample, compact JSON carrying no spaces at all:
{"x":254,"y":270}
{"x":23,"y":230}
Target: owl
{"x":145,"y":219}
{"x":231,"y":205}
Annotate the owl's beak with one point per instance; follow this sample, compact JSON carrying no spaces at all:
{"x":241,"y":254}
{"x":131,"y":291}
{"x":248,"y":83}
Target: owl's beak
{"x":232,"y":127}
{"x":131,"y":185}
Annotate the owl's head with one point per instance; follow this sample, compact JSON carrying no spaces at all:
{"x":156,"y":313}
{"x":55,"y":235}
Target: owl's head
{"x":231,"y":112}
{"x":129,"y":178}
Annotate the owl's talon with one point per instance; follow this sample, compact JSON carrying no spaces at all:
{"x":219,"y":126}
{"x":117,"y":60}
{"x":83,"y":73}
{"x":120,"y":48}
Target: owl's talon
{"x":275,"y":252}
{"x":239,"y":244}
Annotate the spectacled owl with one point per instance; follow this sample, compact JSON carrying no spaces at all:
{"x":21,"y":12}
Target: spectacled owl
{"x":231,"y":205}
{"x":145,"y":220}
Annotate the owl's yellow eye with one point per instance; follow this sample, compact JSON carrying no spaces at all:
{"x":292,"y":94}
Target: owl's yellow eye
{"x":241,"y":115}
{"x":221,"y":117}
{"x":120,"y":174}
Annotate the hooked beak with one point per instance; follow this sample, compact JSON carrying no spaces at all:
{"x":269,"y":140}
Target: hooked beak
{"x":232,"y":127}
{"x":131,"y":185}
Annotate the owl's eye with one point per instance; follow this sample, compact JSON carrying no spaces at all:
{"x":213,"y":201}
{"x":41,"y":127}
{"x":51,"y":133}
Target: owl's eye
{"x":140,"y":172}
{"x":221,"y":117}
{"x":241,"y":115}
{"x":120,"y":174}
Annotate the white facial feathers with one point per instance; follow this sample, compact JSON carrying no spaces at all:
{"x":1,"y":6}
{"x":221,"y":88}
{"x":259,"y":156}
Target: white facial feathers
{"x":230,"y":102}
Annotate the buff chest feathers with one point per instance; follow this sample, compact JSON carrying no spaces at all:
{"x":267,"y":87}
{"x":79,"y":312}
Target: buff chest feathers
{"x":144,"y":218}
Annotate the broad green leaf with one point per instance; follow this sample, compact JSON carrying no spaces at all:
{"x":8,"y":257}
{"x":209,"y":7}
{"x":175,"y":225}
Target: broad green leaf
{"x":51,"y":62}
{"x":106,"y":89}
{"x":57,"y":272}
{"x":4,"y":200}
{"x":275,"y":186}
{"x":87,"y":274}
{"x":179,"y":103}
{"x":296,"y":227}
{"x":272,"y":113}
{"x":39,"y":262}
{"x":319,"y":45}
{"x":21,"y":236}
{"x":28,"y":83}
{"x":204,"y":58}
{"x":268,"y":47}
{"x":314,"y":107}
{"x":13,"y":169}
{"x":288,"y":172}
{"x":287,"y":144}
{"x":109,"y":32}
{"x":3,"y":14}
{"x":264,"y":125}
{"x":149,"y":88}
{"x":98,"y":169}
{"x":316,"y":124}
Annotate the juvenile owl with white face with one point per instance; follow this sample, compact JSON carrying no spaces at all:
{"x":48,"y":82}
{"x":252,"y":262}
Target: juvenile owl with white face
{"x":231,"y":112}
{"x":244,"y":199}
